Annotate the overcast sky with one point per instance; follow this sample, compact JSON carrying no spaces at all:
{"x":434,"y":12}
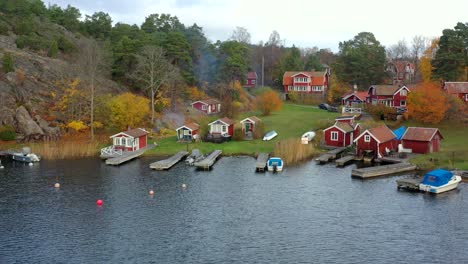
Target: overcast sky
{"x":304,"y":23}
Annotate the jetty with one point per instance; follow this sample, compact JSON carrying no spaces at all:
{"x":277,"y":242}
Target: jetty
{"x":410,"y":184}
{"x":342,"y":161}
{"x":207,"y":162}
{"x":330,"y":155}
{"x":127,"y":155}
{"x":261,"y":162}
{"x":169,"y":162}
{"x":370,"y":172}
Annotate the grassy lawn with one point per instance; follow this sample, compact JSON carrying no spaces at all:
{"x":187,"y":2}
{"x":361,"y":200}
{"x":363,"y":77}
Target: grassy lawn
{"x":291,"y":122}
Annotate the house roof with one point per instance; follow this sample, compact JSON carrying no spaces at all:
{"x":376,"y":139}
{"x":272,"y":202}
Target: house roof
{"x":207,"y":101}
{"x":318,"y":78}
{"x":387,"y":89}
{"x":346,"y":127}
{"x":456,"y":87}
{"x":252,"y":75}
{"x":381,"y":134}
{"x":224,"y":120}
{"x":253,"y":119}
{"x":360,"y":95}
{"x":420,"y":133}
{"x":191,"y":126}
{"x":401,"y":65}
{"x":344,"y":117}
{"x":134,"y":133}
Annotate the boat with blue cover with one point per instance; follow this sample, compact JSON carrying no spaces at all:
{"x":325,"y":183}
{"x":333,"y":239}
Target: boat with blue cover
{"x":438,"y":181}
{"x":275,"y":164}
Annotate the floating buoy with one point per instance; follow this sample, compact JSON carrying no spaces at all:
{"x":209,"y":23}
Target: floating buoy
{"x":57,"y":185}
{"x":99,"y":202}
{"x":1,"y":167}
{"x":184,"y":185}
{"x":30,"y":164}
{"x":151,"y":192}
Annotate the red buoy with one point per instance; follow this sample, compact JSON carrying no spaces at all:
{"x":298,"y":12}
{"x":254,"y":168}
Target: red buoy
{"x":99,"y":202}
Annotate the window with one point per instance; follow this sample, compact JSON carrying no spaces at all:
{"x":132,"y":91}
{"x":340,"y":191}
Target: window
{"x":301,"y":79}
{"x":123,"y":141}
{"x":334,"y":136}
{"x":223,"y":129}
{"x":466,"y":97}
{"x":366,"y":138}
{"x":253,"y":81}
{"x":317,"y":88}
{"x":403,"y":103}
{"x":203,"y":107}
{"x":403,"y":92}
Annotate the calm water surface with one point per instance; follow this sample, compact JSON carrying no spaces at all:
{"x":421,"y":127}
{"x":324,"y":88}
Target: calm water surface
{"x":306,"y":214}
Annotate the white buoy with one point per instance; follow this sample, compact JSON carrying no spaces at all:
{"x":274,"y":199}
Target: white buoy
{"x":1,"y":166}
{"x":151,"y":192}
{"x":30,"y":164}
{"x":57,"y":185}
{"x":184,"y":185}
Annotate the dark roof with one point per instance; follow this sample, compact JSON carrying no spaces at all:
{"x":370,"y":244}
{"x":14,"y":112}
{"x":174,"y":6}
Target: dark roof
{"x":136,"y":132}
{"x":456,"y":87}
{"x":382,"y":133}
{"x":420,"y":133}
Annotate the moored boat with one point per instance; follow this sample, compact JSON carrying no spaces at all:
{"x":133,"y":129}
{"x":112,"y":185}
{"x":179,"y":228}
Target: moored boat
{"x":308,"y":136}
{"x":25,"y":156}
{"x":438,"y":181}
{"x":275,"y":164}
{"x":270,"y":135}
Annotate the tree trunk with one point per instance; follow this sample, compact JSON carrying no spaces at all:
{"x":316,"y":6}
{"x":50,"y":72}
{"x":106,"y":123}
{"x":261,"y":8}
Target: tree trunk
{"x":92,"y":109}
{"x":152,"y":107}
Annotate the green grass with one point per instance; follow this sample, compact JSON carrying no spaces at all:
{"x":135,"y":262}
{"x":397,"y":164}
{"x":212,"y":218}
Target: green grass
{"x":291,"y":122}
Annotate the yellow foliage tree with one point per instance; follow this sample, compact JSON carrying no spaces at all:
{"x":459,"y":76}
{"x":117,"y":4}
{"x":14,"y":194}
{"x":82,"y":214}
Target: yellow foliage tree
{"x":426,"y":65}
{"x":337,"y":89}
{"x":195,"y":93}
{"x":269,"y":101}
{"x":128,"y":110}
{"x":427,"y":103}
{"x":77,"y":125}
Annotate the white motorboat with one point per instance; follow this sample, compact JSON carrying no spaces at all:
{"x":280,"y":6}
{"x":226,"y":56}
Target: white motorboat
{"x":308,"y":136}
{"x":275,"y":164}
{"x":438,"y":181}
{"x":270,"y":135}
{"x":28,"y":158}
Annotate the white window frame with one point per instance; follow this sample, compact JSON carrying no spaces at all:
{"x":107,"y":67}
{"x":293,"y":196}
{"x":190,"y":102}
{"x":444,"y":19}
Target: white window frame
{"x":253,"y":81}
{"x":334,"y":136}
{"x":366,"y":138}
{"x":403,"y":92}
{"x":466,"y":97}
{"x":204,"y":107}
{"x":123,"y":141}
{"x":403,"y":103}
{"x":223,"y":129}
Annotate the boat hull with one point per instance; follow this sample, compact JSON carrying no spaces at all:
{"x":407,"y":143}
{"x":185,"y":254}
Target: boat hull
{"x":272,"y":168}
{"x":25,"y":158}
{"x":452,"y":184}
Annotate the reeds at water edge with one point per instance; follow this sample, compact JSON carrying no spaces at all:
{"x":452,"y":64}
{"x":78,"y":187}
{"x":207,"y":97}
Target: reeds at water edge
{"x":292,"y":151}
{"x":55,"y":150}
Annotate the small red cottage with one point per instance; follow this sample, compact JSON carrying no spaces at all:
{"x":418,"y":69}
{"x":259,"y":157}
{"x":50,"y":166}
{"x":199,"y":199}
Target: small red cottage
{"x":342,"y":133}
{"x":389,"y":95}
{"x":222,"y":127}
{"x":306,"y":82}
{"x":354,"y":99}
{"x":207,"y":106}
{"x":248,"y":124}
{"x":378,"y":140}
{"x":130,"y":140}
{"x":251,"y":80}
{"x":422,"y":140}
{"x":188,"y":132}
{"x":459,"y":89}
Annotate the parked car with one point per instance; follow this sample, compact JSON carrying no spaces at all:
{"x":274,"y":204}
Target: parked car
{"x":324,"y":106}
{"x":270,"y":135}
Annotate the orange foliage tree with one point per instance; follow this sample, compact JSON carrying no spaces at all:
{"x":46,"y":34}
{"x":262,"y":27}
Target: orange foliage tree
{"x":427,"y":103}
{"x":337,"y":90}
{"x":269,"y":101}
{"x":426,"y":64}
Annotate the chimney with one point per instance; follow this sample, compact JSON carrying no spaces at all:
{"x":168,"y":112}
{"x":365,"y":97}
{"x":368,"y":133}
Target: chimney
{"x":355,"y":88}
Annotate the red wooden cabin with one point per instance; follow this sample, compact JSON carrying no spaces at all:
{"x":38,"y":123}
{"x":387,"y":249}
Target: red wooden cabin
{"x":459,"y":89}
{"x":306,"y":82}
{"x":342,"y":133}
{"x":354,"y":99}
{"x":130,"y":140}
{"x":422,"y":139}
{"x":389,"y":95}
{"x":379,"y":141}
{"x":251,"y":80}
{"x":207,"y":106}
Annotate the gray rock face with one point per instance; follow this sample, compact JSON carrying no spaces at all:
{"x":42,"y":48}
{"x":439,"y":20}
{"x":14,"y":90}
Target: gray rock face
{"x":52,"y":131}
{"x":26,"y":124}
{"x":7,"y":117}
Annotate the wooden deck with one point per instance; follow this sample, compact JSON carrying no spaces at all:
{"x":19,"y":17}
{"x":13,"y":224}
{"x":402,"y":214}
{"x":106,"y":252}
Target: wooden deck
{"x":261,"y":162}
{"x":410,"y":184}
{"x":169,"y":162}
{"x":389,"y":160}
{"x":207,"y":162}
{"x":330,"y":155}
{"x":126,"y":156}
{"x":342,"y":161}
{"x":382,"y":170}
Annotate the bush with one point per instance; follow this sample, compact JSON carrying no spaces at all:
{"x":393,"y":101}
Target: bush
{"x":259,"y":130}
{"x":308,"y":99}
{"x":25,"y":27}
{"x":7,"y":63}
{"x":3,"y":28}
{"x":65,"y":45}
{"x":238,"y":134}
{"x":379,"y":110}
{"x":53,"y":49}
{"x":7,"y":133}
{"x":33,"y":42}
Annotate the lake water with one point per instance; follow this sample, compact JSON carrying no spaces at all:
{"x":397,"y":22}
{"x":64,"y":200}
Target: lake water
{"x":306,"y":214}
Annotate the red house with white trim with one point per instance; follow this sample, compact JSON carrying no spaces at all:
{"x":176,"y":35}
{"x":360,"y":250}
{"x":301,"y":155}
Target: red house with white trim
{"x":207,"y":106}
{"x":130,"y":140}
{"x":377,"y":140}
{"x":459,"y":89}
{"x":310,"y":82}
{"x":188,"y":132}
{"x":222,"y":127}
{"x":342,"y":133}
{"x":389,"y":95}
{"x":354,"y":99}
{"x":251,"y":80}
{"x":422,"y":139}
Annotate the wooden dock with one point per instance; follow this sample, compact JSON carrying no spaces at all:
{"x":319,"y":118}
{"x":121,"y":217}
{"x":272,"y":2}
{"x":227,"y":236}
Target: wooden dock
{"x":126,"y":156}
{"x":207,"y":162}
{"x":389,"y":160}
{"x":169,"y":162}
{"x":370,"y":172}
{"x":342,"y":161}
{"x":410,"y":184}
{"x":261,"y":162}
{"x":330,"y":155}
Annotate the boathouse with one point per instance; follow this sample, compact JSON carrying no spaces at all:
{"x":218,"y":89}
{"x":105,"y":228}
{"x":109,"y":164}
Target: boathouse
{"x":378,"y":141}
{"x":207,"y":106}
{"x":422,"y":139}
{"x":223,"y":127}
{"x":342,"y":133}
{"x":188,"y":132}
{"x":130,"y":140}
{"x":249,"y":124}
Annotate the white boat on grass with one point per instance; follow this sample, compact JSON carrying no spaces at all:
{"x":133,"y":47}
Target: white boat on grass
{"x":270,"y":135}
{"x":275,"y":164}
{"x":308,"y":136}
{"x":438,"y":181}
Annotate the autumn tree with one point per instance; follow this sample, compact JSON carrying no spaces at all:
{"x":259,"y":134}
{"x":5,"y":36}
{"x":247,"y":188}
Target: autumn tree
{"x":426,"y":60}
{"x":268,"y":101}
{"x":337,"y":90}
{"x":128,"y":110}
{"x":427,"y":103}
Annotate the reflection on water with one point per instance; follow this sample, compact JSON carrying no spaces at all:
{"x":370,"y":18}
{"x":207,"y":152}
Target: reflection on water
{"x":306,"y":214}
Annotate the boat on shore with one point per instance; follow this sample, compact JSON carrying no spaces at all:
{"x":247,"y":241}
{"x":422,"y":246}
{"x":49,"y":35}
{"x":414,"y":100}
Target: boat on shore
{"x":438,"y":181}
{"x":194,"y":157}
{"x":270,"y":135}
{"x":275,"y":164}
{"x":308,"y":136}
{"x":25,"y":155}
